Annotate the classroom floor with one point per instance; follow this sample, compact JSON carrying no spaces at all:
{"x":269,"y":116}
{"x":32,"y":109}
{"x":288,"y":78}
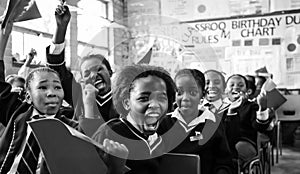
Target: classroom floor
{"x":289,"y":162}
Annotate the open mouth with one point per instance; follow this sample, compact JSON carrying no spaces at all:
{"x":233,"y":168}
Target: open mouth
{"x":212,"y":93}
{"x":152,"y":121}
{"x":99,"y":84}
{"x":151,"y":126}
{"x":235,"y":94}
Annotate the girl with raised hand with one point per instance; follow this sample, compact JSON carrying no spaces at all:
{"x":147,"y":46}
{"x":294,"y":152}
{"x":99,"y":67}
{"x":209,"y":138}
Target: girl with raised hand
{"x":250,"y":118}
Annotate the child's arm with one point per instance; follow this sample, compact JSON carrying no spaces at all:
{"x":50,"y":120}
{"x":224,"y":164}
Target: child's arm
{"x":4,"y":35}
{"x":262,"y":114}
{"x":9,"y":101}
{"x":25,"y":68}
{"x":56,"y":55}
{"x":92,"y":118}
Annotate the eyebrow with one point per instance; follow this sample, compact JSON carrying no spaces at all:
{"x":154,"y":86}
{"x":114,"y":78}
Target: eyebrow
{"x":45,"y":81}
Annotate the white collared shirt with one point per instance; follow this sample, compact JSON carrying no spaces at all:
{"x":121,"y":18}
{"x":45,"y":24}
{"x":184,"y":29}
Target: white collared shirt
{"x":200,"y":119}
{"x":151,"y":139}
{"x":218,"y":103}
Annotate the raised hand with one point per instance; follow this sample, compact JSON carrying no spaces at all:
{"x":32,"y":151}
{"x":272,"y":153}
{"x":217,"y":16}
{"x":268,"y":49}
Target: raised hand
{"x":262,"y":100}
{"x":114,"y":148}
{"x":116,"y":155}
{"x":89,"y":93}
{"x":234,"y":105}
{"x":62,"y":15}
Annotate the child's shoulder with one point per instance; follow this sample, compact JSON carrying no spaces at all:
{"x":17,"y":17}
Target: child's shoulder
{"x":250,"y":104}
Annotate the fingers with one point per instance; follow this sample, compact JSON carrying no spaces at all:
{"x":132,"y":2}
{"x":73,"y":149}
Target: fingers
{"x":114,"y":148}
{"x":61,"y":8}
{"x":89,"y":88}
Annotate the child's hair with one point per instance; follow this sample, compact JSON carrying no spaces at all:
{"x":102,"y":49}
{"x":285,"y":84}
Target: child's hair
{"x":219,"y":73}
{"x":30,"y":76}
{"x":238,"y":75}
{"x":251,"y":83}
{"x":101,"y":58}
{"x":198,"y":76}
{"x":123,"y":82}
{"x":13,"y":77}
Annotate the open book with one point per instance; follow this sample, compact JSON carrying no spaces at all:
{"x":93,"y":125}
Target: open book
{"x":274,"y":98}
{"x":66,"y":150}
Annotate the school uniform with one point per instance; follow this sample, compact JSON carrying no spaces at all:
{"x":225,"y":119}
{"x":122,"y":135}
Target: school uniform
{"x":73,"y":91}
{"x":248,"y":122}
{"x":203,"y":136}
{"x":242,"y":130}
{"x":15,"y":133}
{"x":9,"y":101}
{"x":143,"y":150}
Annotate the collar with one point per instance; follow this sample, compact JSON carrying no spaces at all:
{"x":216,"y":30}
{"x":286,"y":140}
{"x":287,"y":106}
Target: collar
{"x":35,"y":113}
{"x":227,"y":101}
{"x":152,"y":141}
{"x":101,"y":100}
{"x":206,"y":114}
{"x":218,"y":103}
{"x":133,"y":123}
{"x":151,"y":138}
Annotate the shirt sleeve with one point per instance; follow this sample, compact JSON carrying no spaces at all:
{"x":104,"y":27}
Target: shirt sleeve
{"x":56,"y":48}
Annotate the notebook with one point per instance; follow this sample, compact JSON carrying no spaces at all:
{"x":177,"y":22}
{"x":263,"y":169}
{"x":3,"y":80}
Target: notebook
{"x":176,"y":163}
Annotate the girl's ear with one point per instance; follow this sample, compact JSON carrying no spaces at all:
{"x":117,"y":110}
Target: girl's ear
{"x":249,"y":92}
{"x":126,"y":104}
{"x":28,"y":98}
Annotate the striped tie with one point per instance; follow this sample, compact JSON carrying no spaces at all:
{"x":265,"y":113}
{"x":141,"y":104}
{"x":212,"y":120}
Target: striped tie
{"x":28,"y":162}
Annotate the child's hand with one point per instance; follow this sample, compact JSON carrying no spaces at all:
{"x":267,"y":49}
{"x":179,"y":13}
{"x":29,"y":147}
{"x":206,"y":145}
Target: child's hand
{"x":62,"y":15}
{"x":262,"y":100}
{"x":116,"y":155}
{"x":234,"y":105}
{"x":31,"y":55}
{"x":116,"y":149}
{"x":89,"y":93}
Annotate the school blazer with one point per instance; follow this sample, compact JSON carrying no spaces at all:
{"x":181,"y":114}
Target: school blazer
{"x":15,"y":132}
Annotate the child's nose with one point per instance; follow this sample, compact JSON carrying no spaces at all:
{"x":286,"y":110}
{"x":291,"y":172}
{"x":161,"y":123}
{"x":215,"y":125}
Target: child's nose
{"x":51,"y":93}
{"x":154,"y":103}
